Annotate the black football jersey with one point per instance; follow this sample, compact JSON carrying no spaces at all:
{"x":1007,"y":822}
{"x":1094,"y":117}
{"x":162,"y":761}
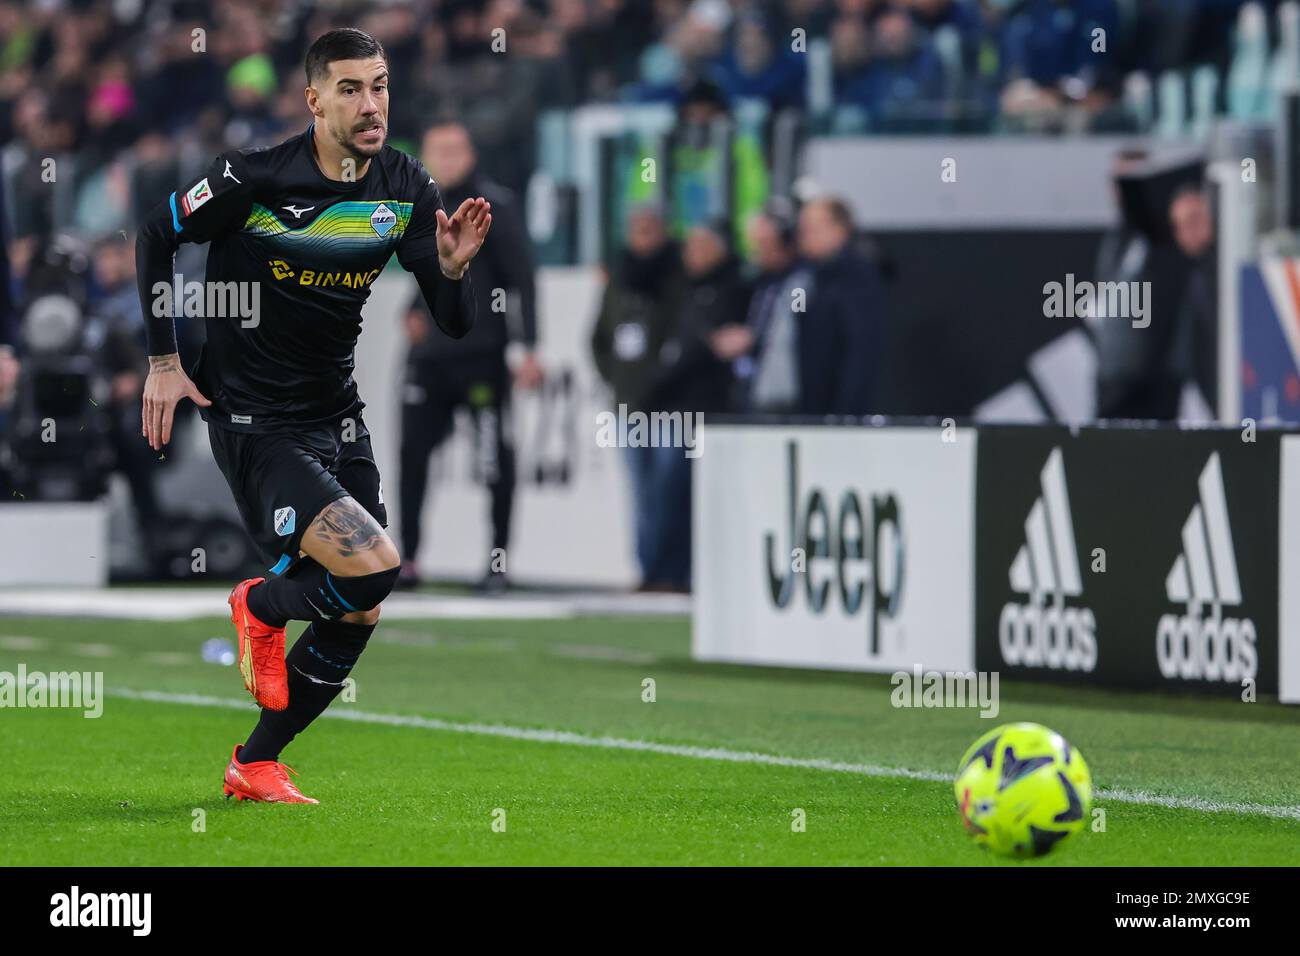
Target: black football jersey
{"x":302,"y":251}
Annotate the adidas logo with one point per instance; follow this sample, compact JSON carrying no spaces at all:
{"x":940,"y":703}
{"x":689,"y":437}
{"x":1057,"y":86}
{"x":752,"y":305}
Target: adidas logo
{"x":1043,"y":632}
{"x":1193,"y":646}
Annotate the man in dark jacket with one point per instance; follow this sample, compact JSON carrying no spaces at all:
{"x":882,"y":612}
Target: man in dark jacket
{"x":840,"y":334}
{"x":443,"y":374}
{"x":1195,"y":350}
{"x":637,"y":315}
{"x":694,"y":381}
{"x":692,"y":377}
{"x":764,"y":347}
{"x":638,"y":309}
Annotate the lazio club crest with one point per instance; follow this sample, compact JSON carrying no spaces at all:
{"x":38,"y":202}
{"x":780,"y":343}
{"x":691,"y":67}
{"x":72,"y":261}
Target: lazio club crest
{"x":284,"y":521}
{"x":382,"y":220}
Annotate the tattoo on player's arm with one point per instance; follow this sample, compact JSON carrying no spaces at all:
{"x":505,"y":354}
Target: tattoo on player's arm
{"x":347,"y":527}
{"x":165,"y":363}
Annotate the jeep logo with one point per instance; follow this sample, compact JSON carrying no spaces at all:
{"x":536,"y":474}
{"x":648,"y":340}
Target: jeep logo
{"x":865,"y":551}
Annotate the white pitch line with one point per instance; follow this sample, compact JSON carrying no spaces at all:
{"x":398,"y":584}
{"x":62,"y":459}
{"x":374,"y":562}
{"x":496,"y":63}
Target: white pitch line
{"x":173,"y":604}
{"x":93,"y":650}
{"x":699,"y":753}
{"x":601,"y":652}
{"x":21,"y":642}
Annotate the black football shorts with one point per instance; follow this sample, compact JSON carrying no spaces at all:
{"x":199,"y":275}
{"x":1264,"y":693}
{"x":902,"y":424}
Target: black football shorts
{"x":282,"y":480}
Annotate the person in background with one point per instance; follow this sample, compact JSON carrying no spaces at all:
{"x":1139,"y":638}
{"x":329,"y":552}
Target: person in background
{"x":1195,"y":350}
{"x":250,"y":92}
{"x":444,"y":374}
{"x":9,"y":318}
{"x":604,"y":41}
{"x":764,"y":347}
{"x":691,"y":376}
{"x":497,"y":97}
{"x":963,"y":16}
{"x":636,"y":315}
{"x":841,"y":332}
{"x":902,"y":76}
{"x":1049,"y":57}
{"x":693,"y":380}
{"x":755,"y":67}
{"x":117,"y":328}
{"x":705,"y":152}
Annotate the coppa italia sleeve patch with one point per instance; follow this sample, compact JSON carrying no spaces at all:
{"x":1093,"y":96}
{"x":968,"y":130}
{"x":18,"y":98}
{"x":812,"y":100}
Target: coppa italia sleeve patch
{"x":199,"y":193}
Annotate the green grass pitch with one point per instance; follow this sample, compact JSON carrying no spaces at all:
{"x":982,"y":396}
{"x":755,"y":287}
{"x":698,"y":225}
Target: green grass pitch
{"x":1184,"y":781}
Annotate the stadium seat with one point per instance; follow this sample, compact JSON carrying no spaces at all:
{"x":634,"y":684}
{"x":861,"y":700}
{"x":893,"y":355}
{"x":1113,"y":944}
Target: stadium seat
{"x":1171,"y":119}
{"x":1248,"y":74}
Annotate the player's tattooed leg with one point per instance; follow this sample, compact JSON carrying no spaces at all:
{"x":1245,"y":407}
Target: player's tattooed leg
{"x":350,"y":568}
{"x":346,"y":539}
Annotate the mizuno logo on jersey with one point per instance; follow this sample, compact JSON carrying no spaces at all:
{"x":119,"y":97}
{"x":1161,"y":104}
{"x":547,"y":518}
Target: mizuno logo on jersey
{"x":229,"y":174}
{"x":297,"y":210}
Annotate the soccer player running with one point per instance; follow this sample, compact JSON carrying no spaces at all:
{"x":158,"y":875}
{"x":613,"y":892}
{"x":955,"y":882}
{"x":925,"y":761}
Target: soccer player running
{"x":309,"y":225}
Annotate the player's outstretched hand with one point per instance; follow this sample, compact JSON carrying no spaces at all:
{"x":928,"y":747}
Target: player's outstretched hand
{"x":461,"y":236}
{"x":166,"y":385}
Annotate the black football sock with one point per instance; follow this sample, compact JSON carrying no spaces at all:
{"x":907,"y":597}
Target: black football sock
{"x":318,"y":665}
{"x":308,"y":592}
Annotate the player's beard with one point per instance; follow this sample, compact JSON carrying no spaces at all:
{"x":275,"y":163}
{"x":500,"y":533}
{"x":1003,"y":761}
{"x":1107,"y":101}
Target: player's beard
{"x":364,"y":150}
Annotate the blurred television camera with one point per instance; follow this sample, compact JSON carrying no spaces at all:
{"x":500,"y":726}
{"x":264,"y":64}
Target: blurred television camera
{"x":55,"y":445}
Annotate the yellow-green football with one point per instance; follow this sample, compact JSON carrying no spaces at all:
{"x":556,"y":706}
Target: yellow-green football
{"x":1022,"y":789}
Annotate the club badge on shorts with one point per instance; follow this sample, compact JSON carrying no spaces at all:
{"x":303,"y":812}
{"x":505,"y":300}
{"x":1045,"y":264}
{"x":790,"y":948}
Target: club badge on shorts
{"x":284,"y":521}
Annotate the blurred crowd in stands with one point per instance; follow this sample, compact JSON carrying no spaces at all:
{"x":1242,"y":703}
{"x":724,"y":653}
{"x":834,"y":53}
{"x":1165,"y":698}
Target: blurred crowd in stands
{"x":688,"y":328}
{"x":104,"y":106}
{"x":92,"y":82}
{"x":745,"y":304}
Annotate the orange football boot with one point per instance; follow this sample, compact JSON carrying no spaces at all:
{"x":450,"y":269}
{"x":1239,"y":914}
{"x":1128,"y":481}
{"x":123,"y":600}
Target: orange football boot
{"x":261,"y":651}
{"x":263,"y":780}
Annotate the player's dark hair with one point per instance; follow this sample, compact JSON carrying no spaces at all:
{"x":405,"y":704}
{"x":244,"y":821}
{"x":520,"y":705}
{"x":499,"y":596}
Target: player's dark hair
{"x":342,"y":44}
